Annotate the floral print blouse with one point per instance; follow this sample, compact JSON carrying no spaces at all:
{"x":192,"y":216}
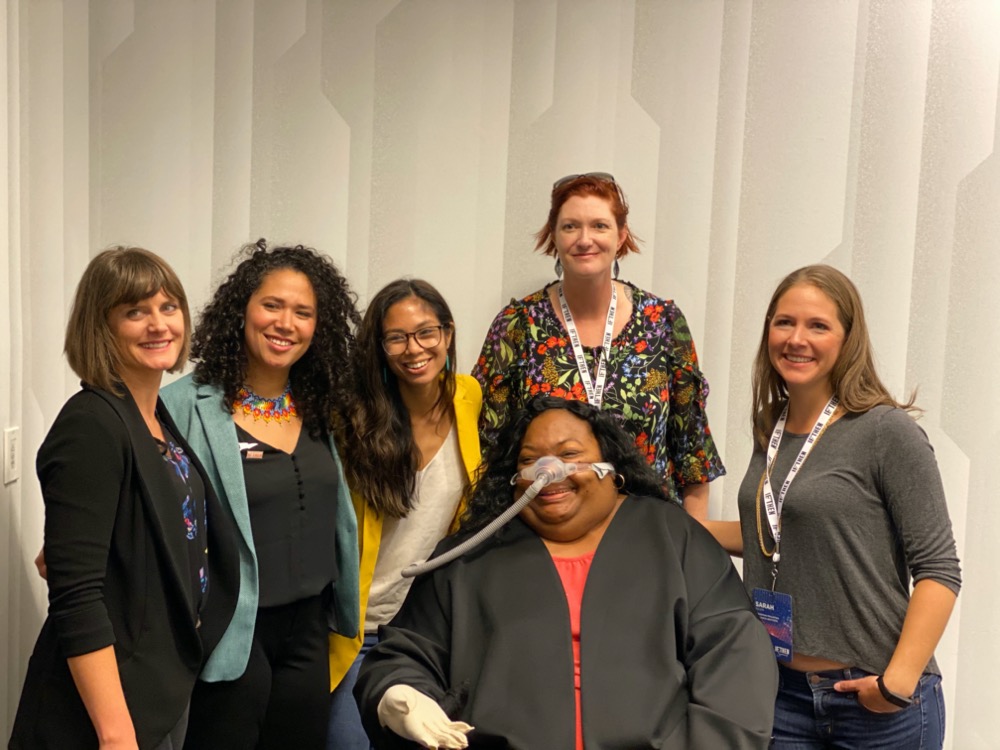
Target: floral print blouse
{"x":191,"y":492}
{"x":653,"y":381}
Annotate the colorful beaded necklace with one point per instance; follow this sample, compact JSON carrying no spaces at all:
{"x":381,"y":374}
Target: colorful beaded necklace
{"x":280,"y":409}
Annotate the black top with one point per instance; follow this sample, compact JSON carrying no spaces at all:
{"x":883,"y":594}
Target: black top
{"x":672,"y":654}
{"x":292,"y":499}
{"x":190,"y":489}
{"x":118,"y":575}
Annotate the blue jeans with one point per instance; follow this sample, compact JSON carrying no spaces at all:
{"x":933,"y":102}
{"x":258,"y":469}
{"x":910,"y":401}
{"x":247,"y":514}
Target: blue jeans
{"x":809,"y":714}
{"x":345,"y":731}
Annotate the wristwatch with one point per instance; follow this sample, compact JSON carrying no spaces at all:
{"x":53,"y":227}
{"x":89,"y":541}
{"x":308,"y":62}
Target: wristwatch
{"x":894,"y":698}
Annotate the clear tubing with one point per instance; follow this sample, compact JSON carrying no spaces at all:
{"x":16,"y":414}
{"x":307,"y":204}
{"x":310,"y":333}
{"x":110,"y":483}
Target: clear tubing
{"x":545,"y":470}
{"x":484,"y":533}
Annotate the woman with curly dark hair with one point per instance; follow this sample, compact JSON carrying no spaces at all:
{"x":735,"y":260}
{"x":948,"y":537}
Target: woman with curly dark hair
{"x":499,"y":647}
{"x":410,"y":444}
{"x":272,"y":349}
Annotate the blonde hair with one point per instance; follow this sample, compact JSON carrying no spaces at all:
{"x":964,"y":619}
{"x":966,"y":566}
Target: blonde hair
{"x":120,"y":275}
{"x":854,"y":378}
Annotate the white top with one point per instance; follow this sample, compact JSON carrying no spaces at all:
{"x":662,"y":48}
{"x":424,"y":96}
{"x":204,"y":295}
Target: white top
{"x":407,"y":540}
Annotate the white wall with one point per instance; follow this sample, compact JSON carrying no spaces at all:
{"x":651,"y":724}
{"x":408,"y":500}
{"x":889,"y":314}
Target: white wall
{"x":421,"y":137}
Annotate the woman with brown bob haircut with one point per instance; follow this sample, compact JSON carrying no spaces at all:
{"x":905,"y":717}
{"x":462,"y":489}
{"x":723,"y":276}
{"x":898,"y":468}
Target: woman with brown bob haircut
{"x":141,"y":566}
{"x":589,"y":336}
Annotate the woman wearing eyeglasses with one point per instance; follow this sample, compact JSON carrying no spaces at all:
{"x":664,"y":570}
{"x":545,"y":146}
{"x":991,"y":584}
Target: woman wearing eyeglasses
{"x":592,"y":337}
{"x":411,"y":445}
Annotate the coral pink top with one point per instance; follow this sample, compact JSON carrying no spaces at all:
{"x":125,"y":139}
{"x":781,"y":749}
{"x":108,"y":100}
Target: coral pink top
{"x":573,"y":574}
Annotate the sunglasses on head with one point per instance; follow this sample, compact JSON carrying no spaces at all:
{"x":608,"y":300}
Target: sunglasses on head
{"x":596,"y":175}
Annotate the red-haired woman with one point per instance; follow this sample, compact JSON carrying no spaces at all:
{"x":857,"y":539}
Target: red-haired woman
{"x":592,"y":337}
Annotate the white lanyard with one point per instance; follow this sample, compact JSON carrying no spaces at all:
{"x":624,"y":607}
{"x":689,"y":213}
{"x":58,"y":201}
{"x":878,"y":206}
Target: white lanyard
{"x":774,"y":508}
{"x":595,"y":389}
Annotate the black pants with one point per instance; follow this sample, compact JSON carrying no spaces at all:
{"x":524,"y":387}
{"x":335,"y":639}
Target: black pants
{"x":175,"y":740}
{"x":283,"y":698}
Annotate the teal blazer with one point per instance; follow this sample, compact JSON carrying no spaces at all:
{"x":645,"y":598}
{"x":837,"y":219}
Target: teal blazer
{"x":208,"y":427}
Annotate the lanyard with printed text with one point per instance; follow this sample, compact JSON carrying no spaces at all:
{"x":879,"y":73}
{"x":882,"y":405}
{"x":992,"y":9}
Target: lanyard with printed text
{"x":774,"y":507}
{"x":594,"y":388}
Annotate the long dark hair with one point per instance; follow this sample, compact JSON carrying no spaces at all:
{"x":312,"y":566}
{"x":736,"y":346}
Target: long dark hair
{"x":492,"y":494}
{"x":319,"y":379}
{"x":380,"y":455}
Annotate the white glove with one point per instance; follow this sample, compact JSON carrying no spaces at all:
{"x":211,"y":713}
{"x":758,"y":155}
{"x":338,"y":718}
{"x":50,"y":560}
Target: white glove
{"x":415,"y":716}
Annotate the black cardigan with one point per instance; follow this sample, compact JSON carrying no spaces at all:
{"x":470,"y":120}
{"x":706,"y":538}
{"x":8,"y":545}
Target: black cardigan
{"x":118,"y":574}
{"x":672,"y":654}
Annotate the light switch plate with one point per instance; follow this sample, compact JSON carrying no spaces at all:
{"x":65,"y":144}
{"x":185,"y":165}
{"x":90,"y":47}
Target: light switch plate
{"x":11,"y":454}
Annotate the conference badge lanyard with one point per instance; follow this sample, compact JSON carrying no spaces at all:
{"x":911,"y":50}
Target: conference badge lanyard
{"x":594,"y":388}
{"x":773,"y":607}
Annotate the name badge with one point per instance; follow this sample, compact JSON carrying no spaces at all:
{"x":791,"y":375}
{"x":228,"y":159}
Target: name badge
{"x":245,"y":448}
{"x":775,"y":610}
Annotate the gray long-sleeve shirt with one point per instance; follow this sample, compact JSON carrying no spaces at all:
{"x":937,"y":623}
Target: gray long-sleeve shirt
{"x":865,"y":513}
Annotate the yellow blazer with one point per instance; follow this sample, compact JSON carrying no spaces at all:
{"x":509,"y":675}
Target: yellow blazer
{"x":468,"y":400}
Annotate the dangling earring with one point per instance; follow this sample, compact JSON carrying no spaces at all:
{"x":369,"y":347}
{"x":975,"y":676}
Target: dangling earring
{"x":558,"y":268}
{"x":385,"y":376}
{"x":447,"y":362}
{"x":617,"y":268}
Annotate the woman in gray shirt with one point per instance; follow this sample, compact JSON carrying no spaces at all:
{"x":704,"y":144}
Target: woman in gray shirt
{"x":841,"y":507}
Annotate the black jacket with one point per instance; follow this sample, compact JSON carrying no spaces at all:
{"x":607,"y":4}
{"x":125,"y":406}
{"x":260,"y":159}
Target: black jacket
{"x":672,"y":654}
{"x":118,"y":573}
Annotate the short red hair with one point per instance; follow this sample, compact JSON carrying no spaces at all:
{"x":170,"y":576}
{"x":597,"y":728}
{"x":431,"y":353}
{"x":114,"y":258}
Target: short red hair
{"x":587,"y":184}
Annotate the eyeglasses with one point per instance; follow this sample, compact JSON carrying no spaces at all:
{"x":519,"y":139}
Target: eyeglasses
{"x":596,"y":175}
{"x":396,"y":343}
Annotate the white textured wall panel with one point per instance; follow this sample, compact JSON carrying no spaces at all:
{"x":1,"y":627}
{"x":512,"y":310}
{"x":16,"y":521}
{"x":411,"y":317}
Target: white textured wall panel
{"x":421,"y":138}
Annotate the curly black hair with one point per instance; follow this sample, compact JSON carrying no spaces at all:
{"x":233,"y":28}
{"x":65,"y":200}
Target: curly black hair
{"x":492,"y":493}
{"x":320,"y":380}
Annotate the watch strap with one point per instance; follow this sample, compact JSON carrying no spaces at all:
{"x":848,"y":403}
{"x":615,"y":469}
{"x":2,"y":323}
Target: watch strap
{"x":894,"y":698}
